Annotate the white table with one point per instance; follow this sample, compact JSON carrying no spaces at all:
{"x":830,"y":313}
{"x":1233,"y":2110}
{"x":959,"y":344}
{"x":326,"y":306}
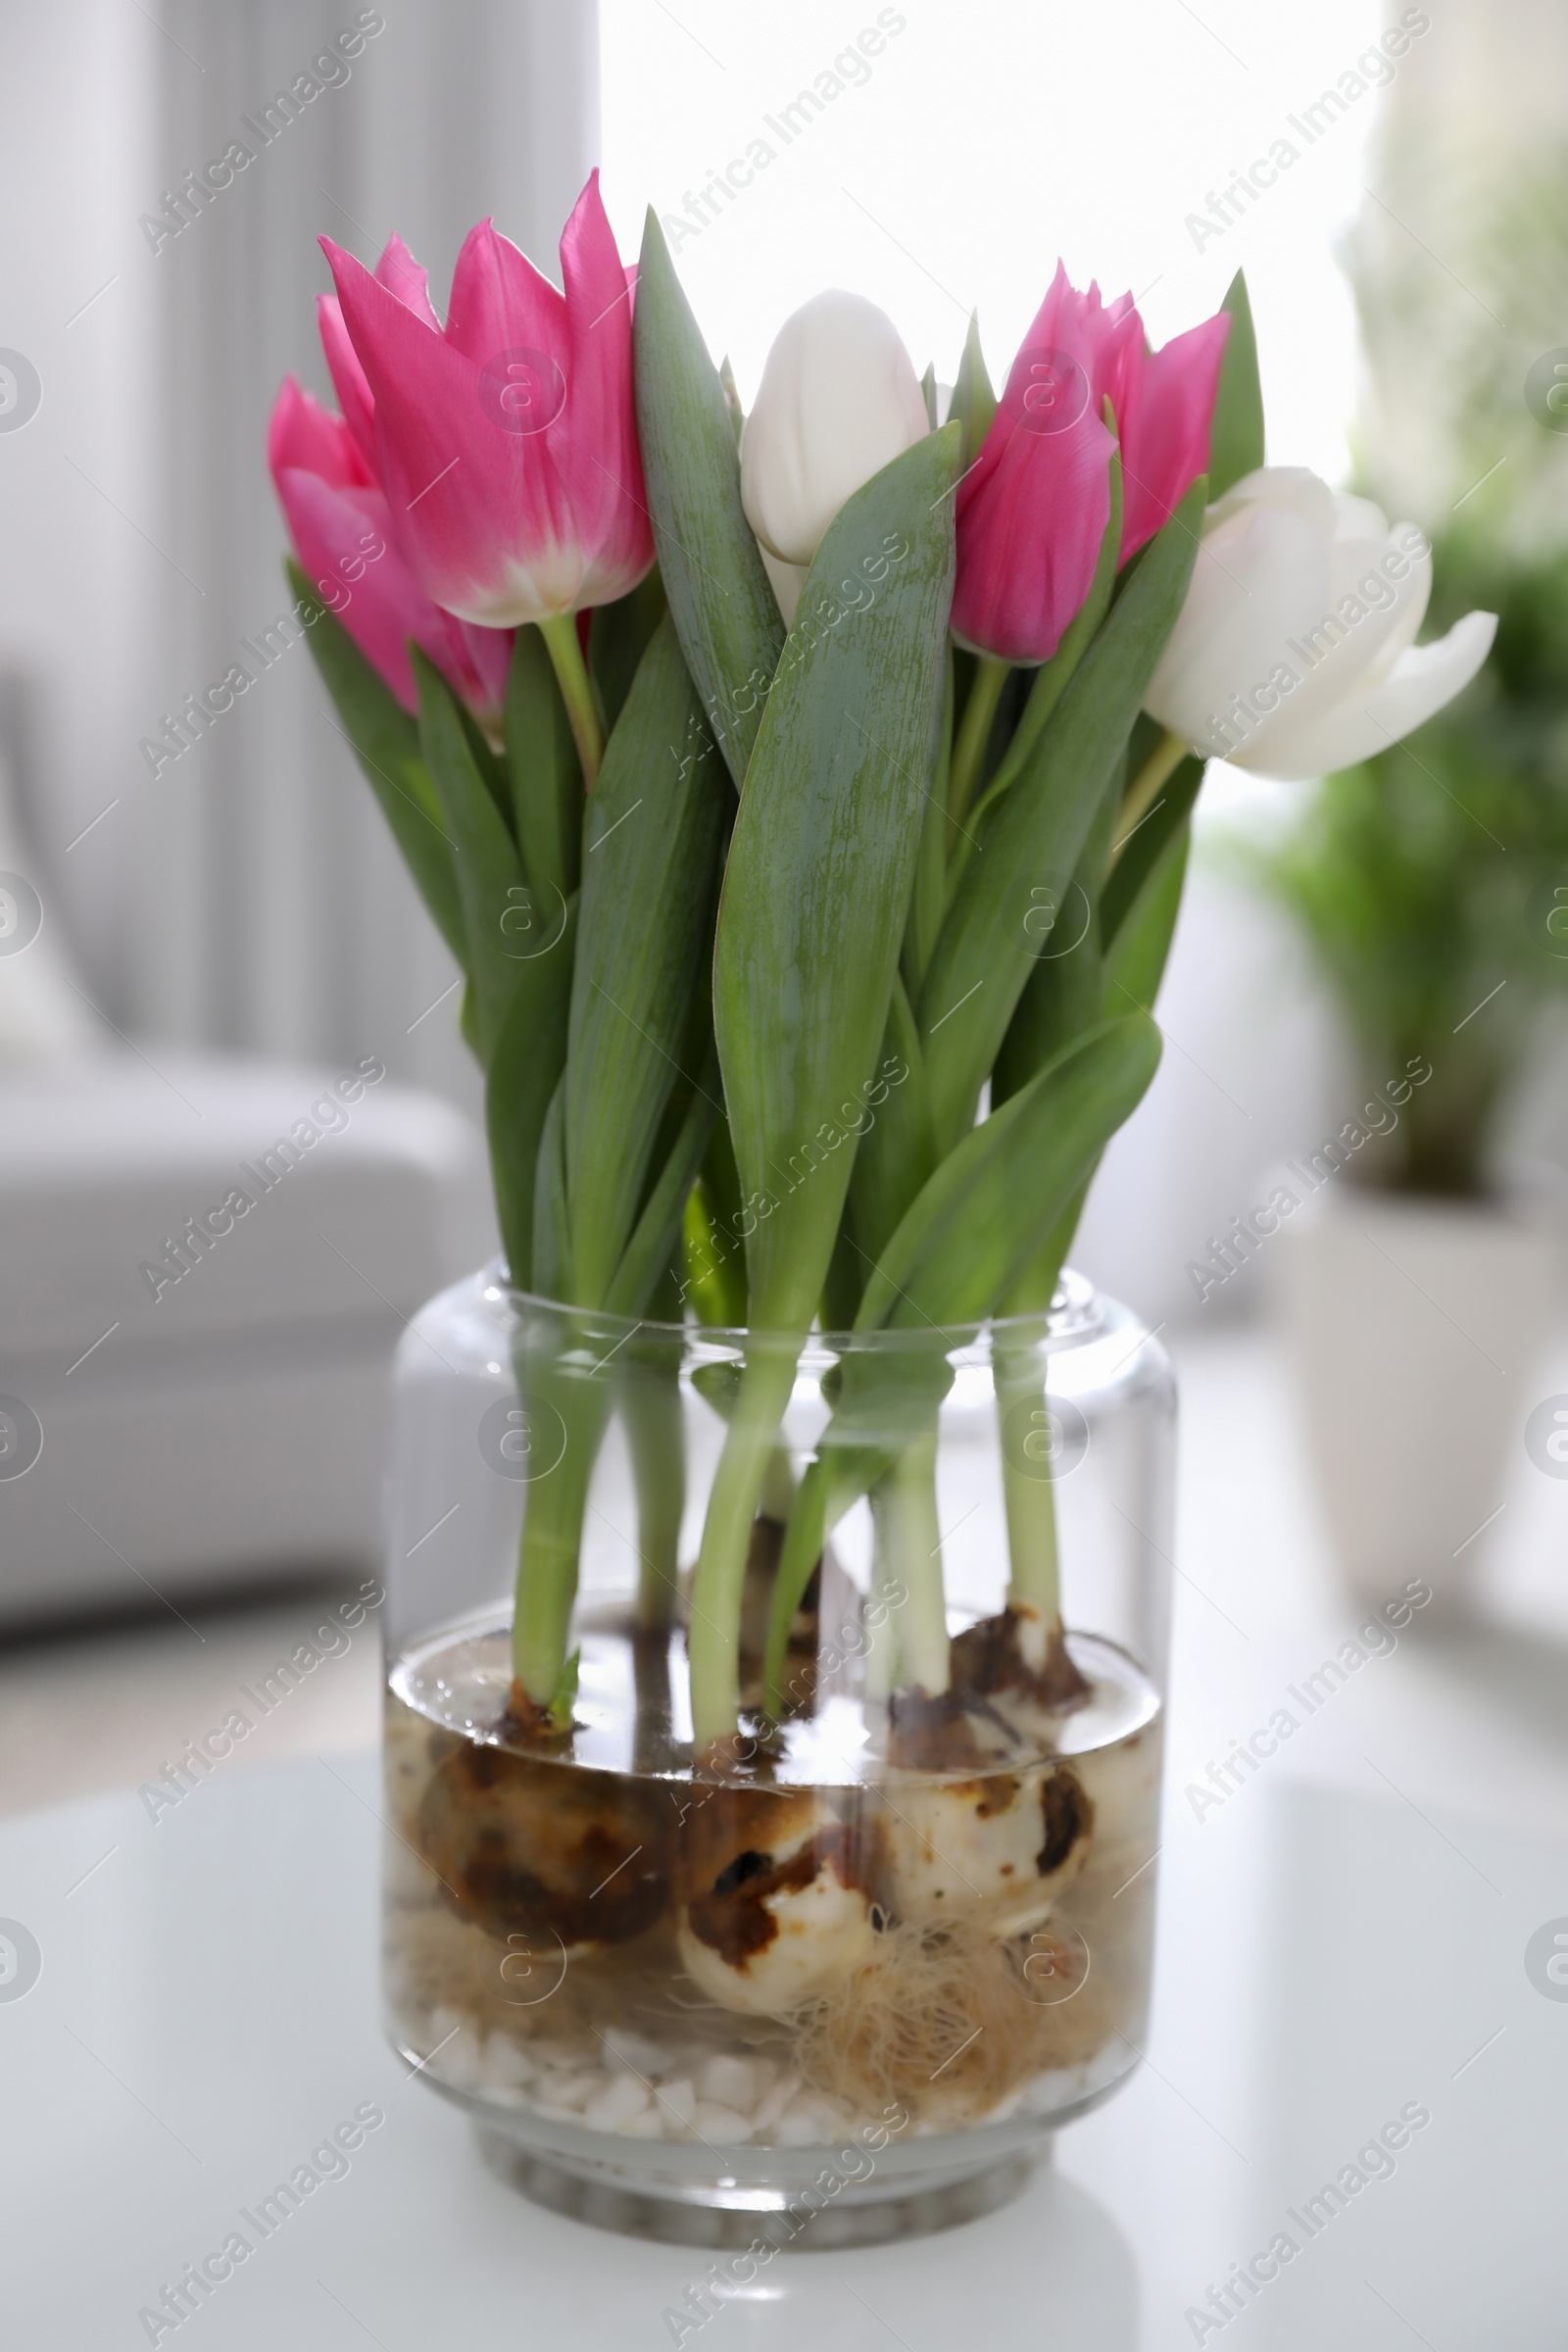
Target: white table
{"x":206,"y":2014}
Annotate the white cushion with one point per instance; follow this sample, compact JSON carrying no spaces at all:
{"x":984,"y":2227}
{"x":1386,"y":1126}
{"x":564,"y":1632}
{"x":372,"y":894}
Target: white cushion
{"x":230,"y":1425}
{"x":43,"y":1010}
{"x":102,"y":1161}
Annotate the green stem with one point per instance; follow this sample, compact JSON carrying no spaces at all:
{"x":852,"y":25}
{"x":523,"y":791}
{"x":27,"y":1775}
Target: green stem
{"x":568,"y":1413}
{"x":888,"y":1594}
{"x":974,"y":733}
{"x":1035,"y":1582}
{"x":717,"y":1588}
{"x":1143,"y":790}
{"x":804,"y":1534}
{"x":560,"y":633}
{"x":778,"y":1499}
{"x":1034,"y":1585}
{"x":903,"y":1508}
{"x":656,"y":1436}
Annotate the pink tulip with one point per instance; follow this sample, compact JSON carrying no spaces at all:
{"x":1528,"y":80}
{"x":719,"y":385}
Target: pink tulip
{"x":342,"y":533}
{"x":402,"y":275}
{"x":1032,"y":510}
{"x":506,"y":444}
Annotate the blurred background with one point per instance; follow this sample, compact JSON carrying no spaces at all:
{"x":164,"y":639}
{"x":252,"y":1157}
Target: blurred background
{"x":201,"y":932}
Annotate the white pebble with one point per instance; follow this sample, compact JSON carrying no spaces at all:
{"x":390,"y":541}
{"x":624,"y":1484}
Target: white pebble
{"x":615,"y":2106}
{"x":794,"y":2131}
{"x":505,"y":2067}
{"x":634,"y":2053}
{"x":728,"y":2083}
{"x":507,"y":2095}
{"x":721,"y":2125}
{"x":811,"y":2120}
{"x":773,"y":2103}
{"x":568,"y":2093}
{"x":677,"y":2101}
{"x":459,"y":2060}
{"x":647,"y":2126}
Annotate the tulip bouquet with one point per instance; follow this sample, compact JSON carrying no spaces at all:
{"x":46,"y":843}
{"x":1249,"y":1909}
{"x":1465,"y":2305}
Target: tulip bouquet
{"x":746,"y":766}
{"x":786,"y":788}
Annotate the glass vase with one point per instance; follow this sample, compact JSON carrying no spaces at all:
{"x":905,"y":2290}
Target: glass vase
{"x":841,"y":1972}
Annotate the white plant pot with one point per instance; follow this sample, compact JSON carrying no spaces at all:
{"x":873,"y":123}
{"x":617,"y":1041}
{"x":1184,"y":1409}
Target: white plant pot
{"x":1414,"y":1329}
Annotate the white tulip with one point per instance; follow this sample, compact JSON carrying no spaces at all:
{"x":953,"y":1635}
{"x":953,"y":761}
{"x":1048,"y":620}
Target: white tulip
{"x":838,"y":401}
{"x":1295,"y":652}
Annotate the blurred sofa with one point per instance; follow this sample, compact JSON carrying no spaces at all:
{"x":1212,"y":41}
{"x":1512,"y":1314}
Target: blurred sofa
{"x":205,"y":1264}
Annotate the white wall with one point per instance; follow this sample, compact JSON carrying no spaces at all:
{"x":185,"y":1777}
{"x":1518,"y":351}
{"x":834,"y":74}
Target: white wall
{"x":987,"y":140}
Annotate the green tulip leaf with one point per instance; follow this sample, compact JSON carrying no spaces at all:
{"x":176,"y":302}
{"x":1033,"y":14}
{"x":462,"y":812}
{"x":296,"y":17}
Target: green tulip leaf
{"x":732,"y":398}
{"x":1135,"y":962}
{"x":552,"y":1224}
{"x":501,"y":917}
{"x":992,"y":1207}
{"x":385,"y":741}
{"x":817,"y":885}
{"x":993,"y":1201}
{"x":1014,"y":884}
{"x":715,"y":1252}
{"x":652,"y":836}
{"x":545,"y":778}
{"x":725,"y":609}
{"x":974,"y":403}
{"x":645,"y":1261}
{"x":1064,"y":994}
{"x":526,"y":1065}
{"x":895,"y":1152}
{"x":1144,"y":848}
{"x":1235,"y":433}
{"x":617,"y":639}
{"x":928,"y":393}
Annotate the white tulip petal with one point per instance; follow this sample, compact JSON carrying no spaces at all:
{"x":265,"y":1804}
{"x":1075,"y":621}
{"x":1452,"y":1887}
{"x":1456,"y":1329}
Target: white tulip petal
{"x":1303,"y":603}
{"x":1353,"y":643}
{"x":1359,"y":518}
{"x":1260,"y":576}
{"x":838,"y":401}
{"x":1287,"y":489}
{"x":1423,"y":680}
{"x":1412,"y":608}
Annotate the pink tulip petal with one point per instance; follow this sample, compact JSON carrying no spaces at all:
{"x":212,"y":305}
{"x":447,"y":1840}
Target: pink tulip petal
{"x":402,"y":275}
{"x":1032,"y":510}
{"x":1165,"y":429}
{"x":485,"y":655}
{"x":447,"y":470}
{"x":1032,"y":514}
{"x":607,"y":490}
{"x":341,"y":527}
{"x":343,"y":539}
{"x":301,"y":433}
{"x":336,"y":532}
{"x":500,"y":303}
{"x":507,"y":446}
{"x":348,"y":377}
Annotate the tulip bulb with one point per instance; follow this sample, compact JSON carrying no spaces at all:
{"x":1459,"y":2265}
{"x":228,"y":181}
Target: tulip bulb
{"x":999,"y":1847}
{"x":773,"y":1911}
{"x":525,"y":1845}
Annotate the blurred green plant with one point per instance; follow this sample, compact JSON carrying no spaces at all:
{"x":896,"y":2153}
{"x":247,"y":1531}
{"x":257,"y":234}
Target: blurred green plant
{"x":1431,"y":883}
{"x":1432,"y":880}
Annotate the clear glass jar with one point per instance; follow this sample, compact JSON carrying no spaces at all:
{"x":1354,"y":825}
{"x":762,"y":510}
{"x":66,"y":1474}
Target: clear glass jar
{"x":848,"y":1966}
